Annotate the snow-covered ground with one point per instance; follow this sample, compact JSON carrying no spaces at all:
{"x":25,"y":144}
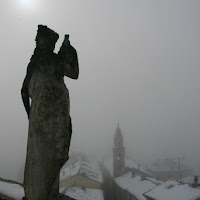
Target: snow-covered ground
{"x":135,"y":185}
{"x":174,"y":190}
{"x":83,"y":194}
{"x":14,"y":191}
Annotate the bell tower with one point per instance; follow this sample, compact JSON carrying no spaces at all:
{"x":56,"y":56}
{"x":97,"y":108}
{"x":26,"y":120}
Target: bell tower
{"x":118,"y":154}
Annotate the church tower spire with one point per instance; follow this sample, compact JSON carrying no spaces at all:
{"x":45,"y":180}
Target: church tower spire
{"x":118,"y":153}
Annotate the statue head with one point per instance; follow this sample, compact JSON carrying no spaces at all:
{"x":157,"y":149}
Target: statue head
{"x":46,"y":38}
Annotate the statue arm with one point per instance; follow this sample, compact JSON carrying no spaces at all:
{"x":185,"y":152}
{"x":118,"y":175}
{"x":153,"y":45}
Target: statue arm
{"x":24,"y":90}
{"x":25,"y":96}
{"x":71,"y":69}
{"x":69,"y":59}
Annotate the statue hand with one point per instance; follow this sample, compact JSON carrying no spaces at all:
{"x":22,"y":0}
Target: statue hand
{"x":66,"y":40}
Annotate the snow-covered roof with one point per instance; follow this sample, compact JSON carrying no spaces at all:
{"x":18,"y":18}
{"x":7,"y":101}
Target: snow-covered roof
{"x":84,"y":194}
{"x":134,"y":185}
{"x":174,"y":190}
{"x":70,"y":171}
{"x":90,"y":170}
{"x":154,"y":180}
{"x":14,"y":191}
{"x":188,"y":179}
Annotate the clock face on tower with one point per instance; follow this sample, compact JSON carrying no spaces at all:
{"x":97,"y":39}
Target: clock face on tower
{"x":118,"y":159}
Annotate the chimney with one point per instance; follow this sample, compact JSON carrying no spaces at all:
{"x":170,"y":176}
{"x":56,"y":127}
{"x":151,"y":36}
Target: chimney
{"x":196,"y":179}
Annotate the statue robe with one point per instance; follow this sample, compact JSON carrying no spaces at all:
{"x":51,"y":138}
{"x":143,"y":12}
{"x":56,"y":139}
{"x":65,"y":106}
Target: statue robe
{"x":49,"y":132}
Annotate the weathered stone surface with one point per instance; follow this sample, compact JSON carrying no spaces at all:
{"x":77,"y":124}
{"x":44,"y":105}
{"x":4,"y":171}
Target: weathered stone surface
{"x":49,"y":121}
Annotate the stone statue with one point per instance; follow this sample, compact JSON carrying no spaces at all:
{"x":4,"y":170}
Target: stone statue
{"x":50,"y":128}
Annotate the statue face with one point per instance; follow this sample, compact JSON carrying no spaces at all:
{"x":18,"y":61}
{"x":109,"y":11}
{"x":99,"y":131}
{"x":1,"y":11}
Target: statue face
{"x":44,"y":43}
{"x":40,"y":42}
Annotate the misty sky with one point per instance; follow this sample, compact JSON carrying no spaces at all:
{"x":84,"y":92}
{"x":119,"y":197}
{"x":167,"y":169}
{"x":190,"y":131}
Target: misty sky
{"x":139,"y":65}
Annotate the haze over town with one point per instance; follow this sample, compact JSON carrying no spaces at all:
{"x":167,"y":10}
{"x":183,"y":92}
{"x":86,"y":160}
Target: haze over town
{"x":139,"y":66}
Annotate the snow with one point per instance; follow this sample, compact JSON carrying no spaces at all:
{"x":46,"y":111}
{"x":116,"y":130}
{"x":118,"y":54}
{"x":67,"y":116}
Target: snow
{"x":134,"y":185}
{"x":81,"y":194}
{"x":174,"y":190}
{"x":154,"y":180}
{"x":70,"y":171}
{"x":131,"y":164}
{"x":14,"y":191}
{"x":90,"y":170}
{"x":188,"y":179}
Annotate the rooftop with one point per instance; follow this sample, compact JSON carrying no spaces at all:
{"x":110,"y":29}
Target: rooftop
{"x":174,"y":190}
{"x":135,"y":185}
{"x":88,"y":169}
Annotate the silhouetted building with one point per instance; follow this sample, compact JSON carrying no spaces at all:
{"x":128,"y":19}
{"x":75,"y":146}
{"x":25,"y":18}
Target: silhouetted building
{"x":118,"y":154}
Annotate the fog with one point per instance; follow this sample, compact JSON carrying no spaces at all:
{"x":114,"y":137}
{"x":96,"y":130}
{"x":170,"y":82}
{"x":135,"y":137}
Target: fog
{"x":139,"y":66}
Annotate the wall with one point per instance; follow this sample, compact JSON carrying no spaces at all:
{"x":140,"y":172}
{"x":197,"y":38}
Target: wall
{"x":148,"y":198}
{"x":107,"y":184}
{"x":111,"y":190}
{"x":80,"y":181}
{"x":121,"y":194}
